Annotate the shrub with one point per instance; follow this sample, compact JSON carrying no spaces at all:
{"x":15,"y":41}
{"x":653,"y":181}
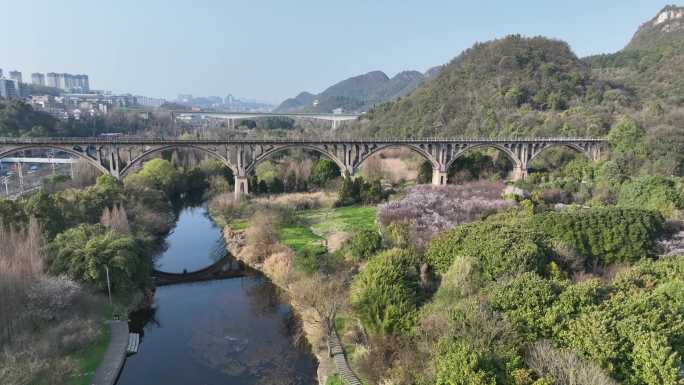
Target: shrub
{"x":525,"y":300}
{"x":363,"y":244}
{"x":456,"y":363}
{"x":498,"y":248}
{"x":652,"y":193}
{"x":604,"y":235}
{"x":386,"y":293}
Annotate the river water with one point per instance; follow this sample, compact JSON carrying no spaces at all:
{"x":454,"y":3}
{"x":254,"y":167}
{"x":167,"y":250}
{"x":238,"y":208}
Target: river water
{"x":232,"y":331}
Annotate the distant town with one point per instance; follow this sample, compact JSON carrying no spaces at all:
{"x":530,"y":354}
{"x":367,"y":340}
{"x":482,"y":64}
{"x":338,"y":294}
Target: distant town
{"x":69,"y":96}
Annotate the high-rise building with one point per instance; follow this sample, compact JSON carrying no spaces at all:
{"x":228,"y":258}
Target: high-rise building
{"x":38,"y":79}
{"x":8,"y":89}
{"x":52,"y":80}
{"x":0,"y":72}
{"x":83,"y":83}
{"x":16,"y":76}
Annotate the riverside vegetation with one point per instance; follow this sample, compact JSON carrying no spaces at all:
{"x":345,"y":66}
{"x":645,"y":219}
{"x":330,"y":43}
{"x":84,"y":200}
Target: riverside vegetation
{"x":56,"y":246}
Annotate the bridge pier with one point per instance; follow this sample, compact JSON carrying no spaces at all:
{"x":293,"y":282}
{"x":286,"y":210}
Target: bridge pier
{"x":241,"y":187}
{"x":519,"y":173}
{"x":439,"y":178}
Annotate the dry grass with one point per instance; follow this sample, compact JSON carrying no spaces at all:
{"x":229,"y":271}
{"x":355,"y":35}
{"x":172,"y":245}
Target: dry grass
{"x":336,"y":239}
{"x":44,"y":321}
{"x":391,"y":165}
{"x":278,"y":266}
{"x":564,"y":366}
{"x":299,"y":201}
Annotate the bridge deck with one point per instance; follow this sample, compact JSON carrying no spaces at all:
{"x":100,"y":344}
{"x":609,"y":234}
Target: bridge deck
{"x":161,"y":140}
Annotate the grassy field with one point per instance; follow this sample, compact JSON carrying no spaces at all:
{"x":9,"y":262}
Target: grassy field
{"x":90,"y":358}
{"x":310,"y":228}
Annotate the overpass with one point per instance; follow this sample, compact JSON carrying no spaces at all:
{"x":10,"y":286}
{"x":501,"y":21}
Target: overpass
{"x":119,"y":155}
{"x":233,"y":116}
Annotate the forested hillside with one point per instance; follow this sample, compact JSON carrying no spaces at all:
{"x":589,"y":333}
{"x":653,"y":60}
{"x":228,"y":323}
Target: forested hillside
{"x":514,"y":86}
{"x":652,"y":64}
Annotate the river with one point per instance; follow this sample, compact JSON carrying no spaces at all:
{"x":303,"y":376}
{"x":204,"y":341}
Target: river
{"x":232,"y":331}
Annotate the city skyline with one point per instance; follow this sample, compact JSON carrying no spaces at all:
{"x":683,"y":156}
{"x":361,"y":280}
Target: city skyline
{"x":271,"y":51}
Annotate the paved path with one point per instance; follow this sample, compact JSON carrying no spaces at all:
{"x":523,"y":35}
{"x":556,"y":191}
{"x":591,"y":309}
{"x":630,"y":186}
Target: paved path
{"x":115,"y":355}
{"x":337,"y":352}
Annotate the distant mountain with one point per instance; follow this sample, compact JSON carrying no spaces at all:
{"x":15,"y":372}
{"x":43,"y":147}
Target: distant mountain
{"x":355,"y":94}
{"x":653,"y":62}
{"x":511,"y":86}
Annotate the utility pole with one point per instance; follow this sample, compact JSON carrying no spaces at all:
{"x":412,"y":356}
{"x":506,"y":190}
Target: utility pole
{"x":109,"y":287}
{"x":20,"y":172}
{"x":6,"y":181}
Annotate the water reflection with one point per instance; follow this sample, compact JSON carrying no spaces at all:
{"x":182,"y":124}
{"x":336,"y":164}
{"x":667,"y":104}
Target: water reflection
{"x":194,"y":243}
{"x":220,"y":332}
{"x":233,"y":331}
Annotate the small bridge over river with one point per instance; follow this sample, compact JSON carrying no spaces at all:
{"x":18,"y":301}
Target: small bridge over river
{"x":226,"y":267}
{"x":119,"y":155}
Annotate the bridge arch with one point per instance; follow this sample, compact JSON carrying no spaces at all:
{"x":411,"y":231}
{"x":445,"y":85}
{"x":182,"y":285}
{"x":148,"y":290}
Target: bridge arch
{"x":517,"y":162}
{"x":269,"y":153}
{"x":93,"y":162}
{"x":415,"y":148}
{"x":155,"y":150}
{"x":572,"y":146}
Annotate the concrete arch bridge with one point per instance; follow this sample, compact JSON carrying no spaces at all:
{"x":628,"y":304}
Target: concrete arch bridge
{"x":117,"y":156}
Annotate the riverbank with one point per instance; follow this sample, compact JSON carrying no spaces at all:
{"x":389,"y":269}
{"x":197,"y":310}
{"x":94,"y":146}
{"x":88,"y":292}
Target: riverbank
{"x":115,"y":355}
{"x":312,"y":328}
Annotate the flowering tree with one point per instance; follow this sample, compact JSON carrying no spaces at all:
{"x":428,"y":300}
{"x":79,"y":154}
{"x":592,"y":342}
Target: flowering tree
{"x":427,"y":210}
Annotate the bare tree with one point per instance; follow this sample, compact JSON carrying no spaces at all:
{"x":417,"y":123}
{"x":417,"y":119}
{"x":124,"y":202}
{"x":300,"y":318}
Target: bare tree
{"x":324,"y":294}
{"x":21,"y":264}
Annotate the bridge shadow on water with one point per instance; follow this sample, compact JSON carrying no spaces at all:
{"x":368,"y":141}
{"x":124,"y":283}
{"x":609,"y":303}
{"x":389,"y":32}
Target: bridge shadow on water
{"x":226,"y":267}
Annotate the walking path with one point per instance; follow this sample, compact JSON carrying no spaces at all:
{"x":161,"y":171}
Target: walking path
{"x":115,"y":355}
{"x":337,"y":352}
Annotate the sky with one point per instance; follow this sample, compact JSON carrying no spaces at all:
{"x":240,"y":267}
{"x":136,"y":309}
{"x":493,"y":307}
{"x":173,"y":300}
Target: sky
{"x":270,"y":50}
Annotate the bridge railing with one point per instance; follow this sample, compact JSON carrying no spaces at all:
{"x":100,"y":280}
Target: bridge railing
{"x":163,"y":140}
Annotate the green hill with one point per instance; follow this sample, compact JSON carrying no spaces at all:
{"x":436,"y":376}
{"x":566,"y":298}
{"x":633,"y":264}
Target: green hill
{"x":511,"y":86}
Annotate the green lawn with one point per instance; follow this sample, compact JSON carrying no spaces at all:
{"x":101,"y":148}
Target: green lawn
{"x":299,"y":237}
{"x":310,"y":227}
{"x":238,"y":224}
{"x":89,"y":359}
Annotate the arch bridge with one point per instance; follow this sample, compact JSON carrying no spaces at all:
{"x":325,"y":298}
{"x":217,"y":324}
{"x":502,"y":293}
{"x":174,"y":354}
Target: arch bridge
{"x":118,"y":155}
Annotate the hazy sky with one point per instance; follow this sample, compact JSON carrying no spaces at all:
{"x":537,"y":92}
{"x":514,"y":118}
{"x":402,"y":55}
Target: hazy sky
{"x":270,"y":50}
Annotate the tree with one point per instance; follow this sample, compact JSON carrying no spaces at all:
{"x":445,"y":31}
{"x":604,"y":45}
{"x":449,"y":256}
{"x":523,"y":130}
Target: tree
{"x":323,"y":171}
{"x":158,"y":174}
{"x":386,"y":293}
{"x":627,"y":140}
{"x":424,"y":173}
{"x":83,"y":252}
